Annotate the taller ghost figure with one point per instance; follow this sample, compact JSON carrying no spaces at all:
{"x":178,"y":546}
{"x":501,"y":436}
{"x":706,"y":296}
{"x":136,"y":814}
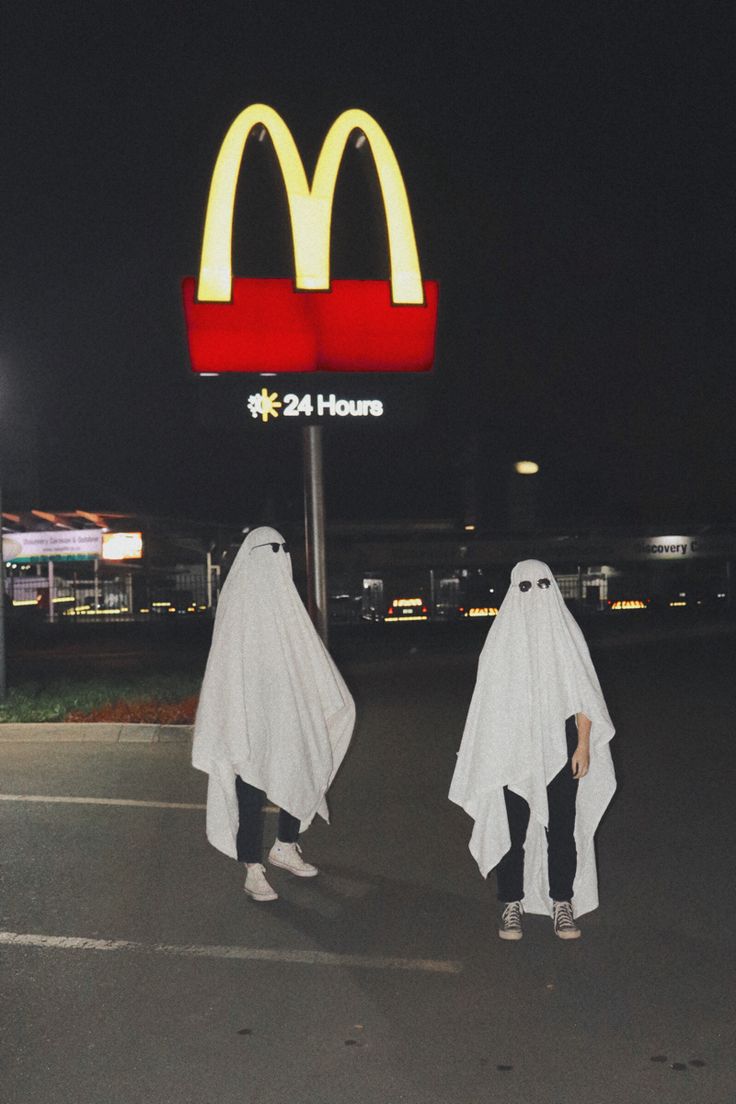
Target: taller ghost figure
{"x":534,"y":766}
{"x":275,"y":717}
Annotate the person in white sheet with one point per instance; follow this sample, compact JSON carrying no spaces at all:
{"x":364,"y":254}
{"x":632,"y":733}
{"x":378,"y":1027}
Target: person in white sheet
{"x":534,"y":768}
{"x":274,"y":717}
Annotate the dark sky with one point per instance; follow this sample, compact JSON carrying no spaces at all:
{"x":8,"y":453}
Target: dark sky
{"x":566,"y":166}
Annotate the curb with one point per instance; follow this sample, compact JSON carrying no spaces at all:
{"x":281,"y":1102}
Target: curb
{"x":100,"y":733}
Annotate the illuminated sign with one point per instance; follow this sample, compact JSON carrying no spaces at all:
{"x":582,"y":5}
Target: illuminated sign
{"x":52,"y":544}
{"x":267,"y":404}
{"x":122,"y":546}
{"x":239,"y":324}
{"x":671,"y":547}
{"x":482,"y":611}
{"x":628,"y":604}
{"x":668,"y":548}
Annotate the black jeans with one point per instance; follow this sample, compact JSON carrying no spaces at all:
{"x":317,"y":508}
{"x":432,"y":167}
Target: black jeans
{"x":249,"y":840}
{"x":562,"y":858}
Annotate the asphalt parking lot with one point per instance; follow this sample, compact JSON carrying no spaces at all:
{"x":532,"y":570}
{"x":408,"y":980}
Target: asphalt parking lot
{"x":135,"y":969}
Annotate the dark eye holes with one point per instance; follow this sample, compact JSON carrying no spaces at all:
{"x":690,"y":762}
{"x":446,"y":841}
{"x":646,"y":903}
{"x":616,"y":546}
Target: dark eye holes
{"x":525,"y":585}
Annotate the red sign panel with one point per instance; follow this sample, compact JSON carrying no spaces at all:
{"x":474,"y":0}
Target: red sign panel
{"x":270,"y":327}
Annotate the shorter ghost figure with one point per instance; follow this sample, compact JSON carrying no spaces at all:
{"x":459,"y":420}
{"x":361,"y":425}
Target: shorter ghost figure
{"x":534,"y":768}
{"x":274,"y":718}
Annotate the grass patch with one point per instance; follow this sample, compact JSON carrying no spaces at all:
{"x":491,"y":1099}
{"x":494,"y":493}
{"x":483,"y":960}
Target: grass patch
{"x":156,"y":699}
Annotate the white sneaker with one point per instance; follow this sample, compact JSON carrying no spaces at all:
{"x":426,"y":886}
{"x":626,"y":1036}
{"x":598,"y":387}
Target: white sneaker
{"x":510,"y":927}
{"x":256,"y":885}
{"x":565,"y":926}
{"x":289,"y":857}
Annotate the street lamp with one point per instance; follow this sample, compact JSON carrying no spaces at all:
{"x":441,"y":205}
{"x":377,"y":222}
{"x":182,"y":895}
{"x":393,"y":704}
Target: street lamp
{"x":2,"y":605}
{"x":523,"y":495}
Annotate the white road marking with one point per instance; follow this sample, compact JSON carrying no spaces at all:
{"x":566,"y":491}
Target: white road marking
{"x":61,"y":800}
{"x":249,"y":954}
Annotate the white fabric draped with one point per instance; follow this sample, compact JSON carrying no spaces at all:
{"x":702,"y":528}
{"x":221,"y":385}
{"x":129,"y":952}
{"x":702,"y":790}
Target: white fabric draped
{"x":273,"y":707}
{"x":534,"y":671}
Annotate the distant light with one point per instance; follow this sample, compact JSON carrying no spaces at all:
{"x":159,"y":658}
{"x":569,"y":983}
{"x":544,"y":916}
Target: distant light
{"x":122,"y":546}
{"x":360,"y":140}
{"x":469,"y":528}
{"x":205,"y":375}
{"x":526,"y":467}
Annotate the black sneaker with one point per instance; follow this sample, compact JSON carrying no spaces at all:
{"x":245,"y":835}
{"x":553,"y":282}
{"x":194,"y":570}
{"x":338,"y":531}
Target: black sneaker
{"x":511,"y":921}
{"x":565,"y":926}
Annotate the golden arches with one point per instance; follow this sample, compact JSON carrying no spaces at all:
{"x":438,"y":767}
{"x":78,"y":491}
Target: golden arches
{"x":310,"y":209}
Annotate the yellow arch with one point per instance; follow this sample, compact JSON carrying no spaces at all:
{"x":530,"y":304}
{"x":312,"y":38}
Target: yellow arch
{"x":310,"y":209}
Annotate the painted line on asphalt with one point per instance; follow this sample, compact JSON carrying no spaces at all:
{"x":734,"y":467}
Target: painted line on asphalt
{"x":126,"y":801}
{"x":246,"y":954}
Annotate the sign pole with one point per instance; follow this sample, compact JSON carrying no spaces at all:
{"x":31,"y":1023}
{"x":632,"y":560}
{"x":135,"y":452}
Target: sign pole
{"x":314,"y":529}
{"x":51,"y":591}
{"x":3,"y":685}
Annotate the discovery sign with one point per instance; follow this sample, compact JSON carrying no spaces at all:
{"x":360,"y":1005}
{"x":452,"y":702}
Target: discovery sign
{"x":669,"y":548}
{"x":309,"y":323}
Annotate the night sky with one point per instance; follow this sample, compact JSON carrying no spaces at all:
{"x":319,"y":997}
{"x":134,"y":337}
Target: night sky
{"x":566,"y":166}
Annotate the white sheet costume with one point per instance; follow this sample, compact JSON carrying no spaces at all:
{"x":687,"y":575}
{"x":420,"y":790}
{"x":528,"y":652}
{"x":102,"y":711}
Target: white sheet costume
{"x":534,"y":671}
{"x":273,"y":707}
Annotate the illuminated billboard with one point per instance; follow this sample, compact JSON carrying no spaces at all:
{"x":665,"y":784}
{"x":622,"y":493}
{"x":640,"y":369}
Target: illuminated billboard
{"x":310,"y":323}
{"x":43,"y":545}
{"x":122,"y":546}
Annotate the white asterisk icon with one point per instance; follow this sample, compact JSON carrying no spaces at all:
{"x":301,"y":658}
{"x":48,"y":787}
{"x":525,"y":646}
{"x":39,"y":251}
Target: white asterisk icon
{"x":265,"y":405}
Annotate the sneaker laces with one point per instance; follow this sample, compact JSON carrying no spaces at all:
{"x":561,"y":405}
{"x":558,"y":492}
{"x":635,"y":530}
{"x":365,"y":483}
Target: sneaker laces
{"x":563,"y":916}
{"x":511,"y":915}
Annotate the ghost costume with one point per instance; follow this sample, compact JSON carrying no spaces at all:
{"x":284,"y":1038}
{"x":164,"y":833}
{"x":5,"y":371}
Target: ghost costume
{"x":273,"y":708}
{"x":534,"y":672}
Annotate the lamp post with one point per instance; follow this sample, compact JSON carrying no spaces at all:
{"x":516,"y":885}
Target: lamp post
{"x":3,"y":686}
{"x":314,"y":516}
{"x":523,"y":495}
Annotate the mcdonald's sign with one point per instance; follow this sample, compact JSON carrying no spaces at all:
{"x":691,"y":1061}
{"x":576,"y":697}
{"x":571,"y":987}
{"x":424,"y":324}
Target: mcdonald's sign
{"x":310,"y":323}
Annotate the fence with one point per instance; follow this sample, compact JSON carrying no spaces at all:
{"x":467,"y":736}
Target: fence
{"x":104,"y":596}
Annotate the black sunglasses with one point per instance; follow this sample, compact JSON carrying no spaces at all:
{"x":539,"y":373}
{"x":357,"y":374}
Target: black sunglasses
{"x":274,"y":547}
